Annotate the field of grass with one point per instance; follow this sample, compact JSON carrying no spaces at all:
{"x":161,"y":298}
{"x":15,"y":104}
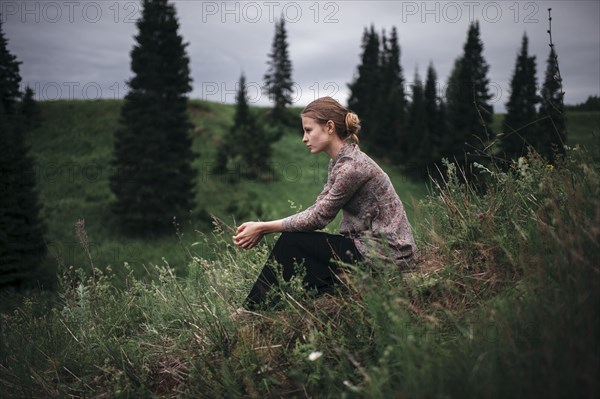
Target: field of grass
{"x":583,"y":128}
{"x":504,"y":303}
{"x":72,"y":153}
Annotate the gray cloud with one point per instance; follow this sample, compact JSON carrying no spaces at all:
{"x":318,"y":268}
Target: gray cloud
{"x":81,"y":49}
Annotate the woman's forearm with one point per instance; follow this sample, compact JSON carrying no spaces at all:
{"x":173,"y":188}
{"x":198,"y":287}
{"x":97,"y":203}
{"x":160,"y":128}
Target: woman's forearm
{"x":273,"y":226}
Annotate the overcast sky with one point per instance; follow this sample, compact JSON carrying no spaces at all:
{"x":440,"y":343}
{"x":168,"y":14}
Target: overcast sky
{"x":80,"y":49}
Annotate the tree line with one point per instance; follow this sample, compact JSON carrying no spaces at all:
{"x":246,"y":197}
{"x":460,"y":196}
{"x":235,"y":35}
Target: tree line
{"x":153,"y":177}
{"x":419,"y":128}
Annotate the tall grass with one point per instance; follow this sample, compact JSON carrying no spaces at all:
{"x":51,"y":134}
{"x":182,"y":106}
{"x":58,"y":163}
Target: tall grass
{"x":73,"y":148}
{"x":504,"y":303}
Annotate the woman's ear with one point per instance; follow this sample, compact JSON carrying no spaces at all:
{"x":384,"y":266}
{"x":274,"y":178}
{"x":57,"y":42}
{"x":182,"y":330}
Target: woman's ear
{"x":330,"y":127}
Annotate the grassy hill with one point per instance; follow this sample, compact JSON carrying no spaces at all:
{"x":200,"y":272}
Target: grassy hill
{"x":504,"y":302}
{"x":72,"y":153}
{"x":583,"y":128}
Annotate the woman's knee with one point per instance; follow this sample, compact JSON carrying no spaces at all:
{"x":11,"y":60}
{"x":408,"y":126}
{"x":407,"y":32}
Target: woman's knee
{"x":288,"y":240}
{"x":284,"y":246}
{"x":285,"y":236}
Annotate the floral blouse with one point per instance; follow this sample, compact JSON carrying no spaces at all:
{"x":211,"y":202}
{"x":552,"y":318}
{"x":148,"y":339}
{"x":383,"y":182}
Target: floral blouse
{"x":373,"y":215}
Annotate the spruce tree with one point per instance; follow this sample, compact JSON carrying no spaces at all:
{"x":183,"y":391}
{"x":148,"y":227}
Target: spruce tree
{"x":30,"y":110}
{"x":552,"y":135}
{"x":278,"y":79}
{"x":452,"y":144}
{"x":22,"y":246}
{"x":153,"y":179}
{"x":10,"y":77}
{"x":521,"y":114}
{"x":388,"y":112}
{"x":364,"y":90}
{"x":246,"y":148}
{"x":418,"y":137}
{"x":468,"y":109}
{"x":436,"y":123}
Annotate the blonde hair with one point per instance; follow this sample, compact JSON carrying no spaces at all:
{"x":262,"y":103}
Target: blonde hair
{"x":325,"y":109}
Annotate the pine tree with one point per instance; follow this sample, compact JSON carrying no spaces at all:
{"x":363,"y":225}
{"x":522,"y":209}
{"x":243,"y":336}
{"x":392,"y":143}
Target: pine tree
{"x":246,"y":147}
{"x":419,"y":138}
{"x":436,"y":123}
{"x":389,"y":109}
{"x":468,"y":110}
{"x":22,"y":246}
{"x":521,"y":114}
{"x":30,"y":110}
{"x":256,"y":152}
{"x":364,"y":90}
{"x":10,"y":78}
{"x":278,"y":79}
{"x":552,"y":134}
{"x":453,"y":145}
{"x":153,"y":179}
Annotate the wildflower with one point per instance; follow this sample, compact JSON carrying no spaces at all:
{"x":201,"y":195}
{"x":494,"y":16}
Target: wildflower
{"x":480,"y":216}
{"x":482,"y":168}
{"x":523,"y":168}
{"x":522,"y":163}
{"x":549,"y":167}
{"x":314,"y":356}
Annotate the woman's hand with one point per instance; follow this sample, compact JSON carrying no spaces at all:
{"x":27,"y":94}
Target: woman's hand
{"x":248,"y":234}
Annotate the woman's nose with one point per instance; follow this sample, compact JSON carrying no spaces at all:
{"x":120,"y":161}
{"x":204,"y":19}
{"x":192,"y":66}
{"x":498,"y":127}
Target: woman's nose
{"x":305,"y":138}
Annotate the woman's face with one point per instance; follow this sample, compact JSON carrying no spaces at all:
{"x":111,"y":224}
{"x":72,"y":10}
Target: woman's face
{"x":317,"y":137}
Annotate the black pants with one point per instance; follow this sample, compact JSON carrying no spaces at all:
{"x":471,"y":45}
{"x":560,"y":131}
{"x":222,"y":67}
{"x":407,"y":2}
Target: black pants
{"x":315,"y":251}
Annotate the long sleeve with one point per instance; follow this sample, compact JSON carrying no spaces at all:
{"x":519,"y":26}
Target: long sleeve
{"x":343,"y":181}
{"x":373,"y":214}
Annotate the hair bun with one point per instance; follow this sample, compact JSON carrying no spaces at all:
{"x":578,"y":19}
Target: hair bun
{"x":352,"y":126}
{"x":327,"y":109}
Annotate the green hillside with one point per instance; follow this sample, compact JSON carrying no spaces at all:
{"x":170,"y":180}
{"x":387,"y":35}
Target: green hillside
{"x":583,"y":128}
{"x":504,"y":302}
{"x":72,"y":153}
